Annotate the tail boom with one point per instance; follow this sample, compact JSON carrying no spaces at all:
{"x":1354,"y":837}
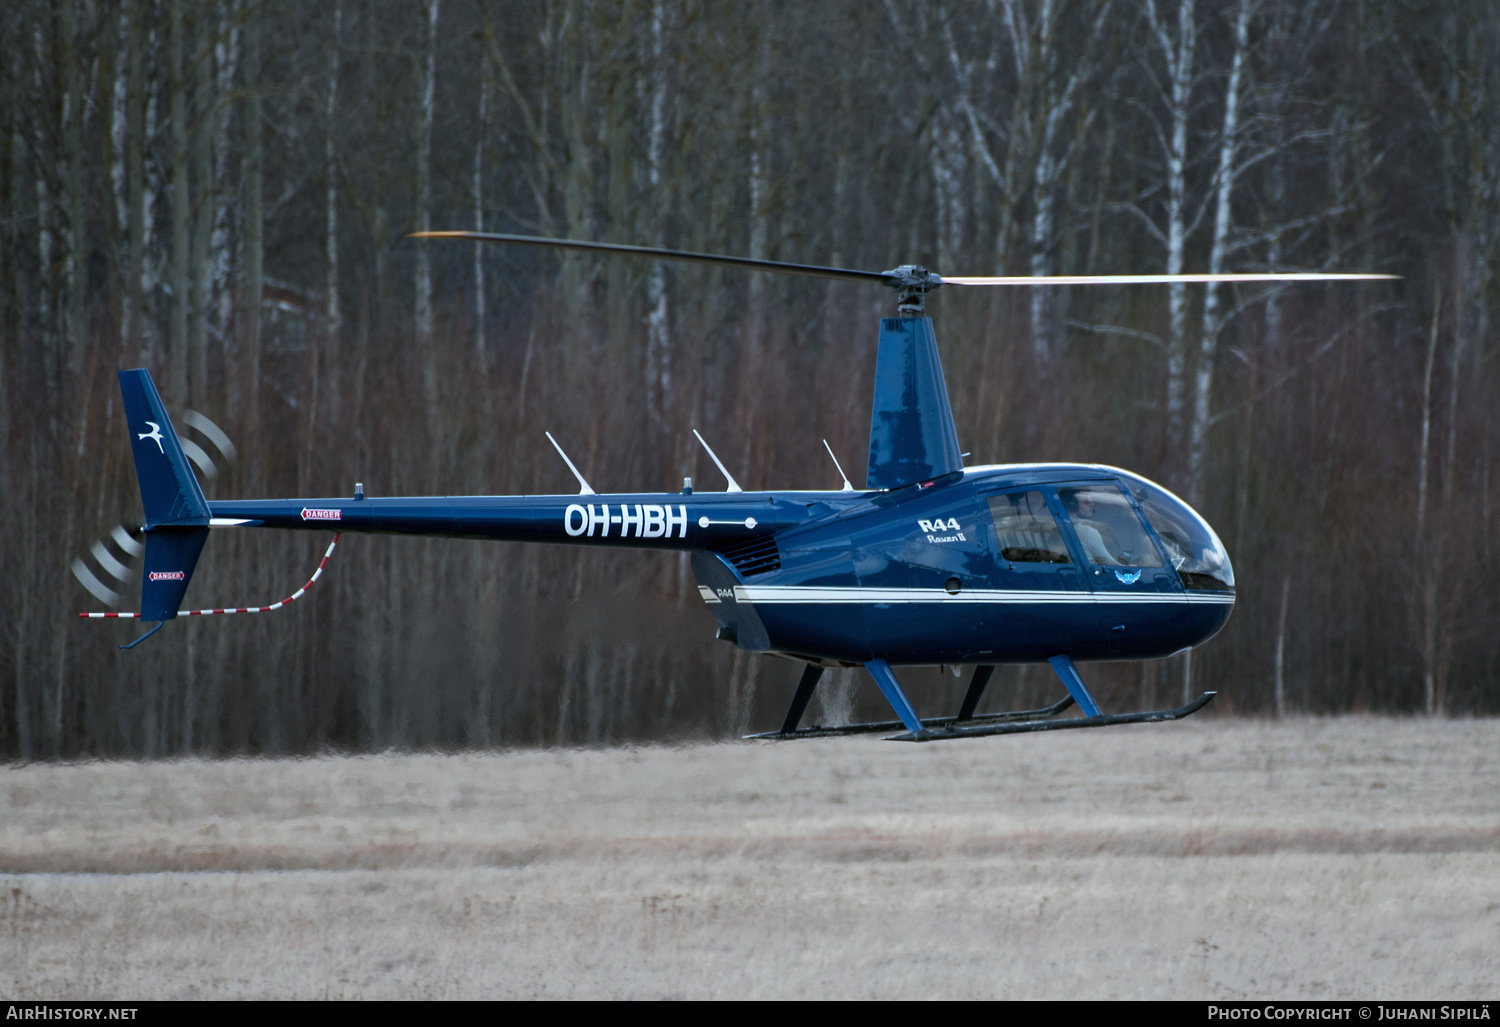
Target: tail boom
{"x":670,"y":520}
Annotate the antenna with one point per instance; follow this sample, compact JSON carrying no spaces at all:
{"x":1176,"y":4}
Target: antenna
{"x":847,"y":487}
{"x":584,"y":488}
{"x":734,"y":486}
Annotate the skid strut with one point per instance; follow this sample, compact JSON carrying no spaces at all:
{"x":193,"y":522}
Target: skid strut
{"x":1076,"y":688}
{"x":966,"y":713}
{"x":966,"y":724}
{"x":977,"y":685}
{"x":805,"y":688}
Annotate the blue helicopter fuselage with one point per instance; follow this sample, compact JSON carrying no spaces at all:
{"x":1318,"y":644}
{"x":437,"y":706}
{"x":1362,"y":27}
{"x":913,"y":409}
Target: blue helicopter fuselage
{"x":939,"y":571}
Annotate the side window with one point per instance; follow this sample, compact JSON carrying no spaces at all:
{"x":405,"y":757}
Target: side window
{"x":1108,"y":528}
{"x":1026,"y":530}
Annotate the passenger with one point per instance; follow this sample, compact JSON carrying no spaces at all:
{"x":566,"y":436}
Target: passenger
{"x":1088,"y":532}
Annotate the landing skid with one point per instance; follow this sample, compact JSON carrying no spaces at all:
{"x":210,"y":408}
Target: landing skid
{"x":936,"y":734}
{"x":938,"y":725}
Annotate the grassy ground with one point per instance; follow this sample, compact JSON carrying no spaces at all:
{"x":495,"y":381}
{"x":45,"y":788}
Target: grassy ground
{"x":1318,"y":858}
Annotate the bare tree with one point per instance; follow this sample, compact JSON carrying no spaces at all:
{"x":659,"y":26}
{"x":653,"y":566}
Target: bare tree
{"x":330,"y":175}
{"x":1177,"y":51}
{"x":1213,"y":319}
{"x":177,"y":343}
{"x":423,"y":325}
{"x":252,"y":224}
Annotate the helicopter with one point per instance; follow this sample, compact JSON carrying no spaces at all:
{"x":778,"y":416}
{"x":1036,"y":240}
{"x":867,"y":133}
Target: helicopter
{"x":931,"y":563}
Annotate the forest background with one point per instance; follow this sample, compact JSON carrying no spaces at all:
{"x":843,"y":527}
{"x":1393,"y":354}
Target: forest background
{"x":220,"y":191}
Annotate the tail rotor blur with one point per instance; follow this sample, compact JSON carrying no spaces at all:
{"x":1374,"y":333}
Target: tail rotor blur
{"x":215,"y":435}
{"x":115,"y":563}
{"x":111,"y":563}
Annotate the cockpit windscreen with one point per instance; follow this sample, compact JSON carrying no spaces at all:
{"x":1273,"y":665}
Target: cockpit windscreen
{"x":1195,"y":551}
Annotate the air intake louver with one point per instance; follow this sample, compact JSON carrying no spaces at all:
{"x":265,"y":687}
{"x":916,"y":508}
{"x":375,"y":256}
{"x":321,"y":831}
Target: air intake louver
{"x":751,"y":556}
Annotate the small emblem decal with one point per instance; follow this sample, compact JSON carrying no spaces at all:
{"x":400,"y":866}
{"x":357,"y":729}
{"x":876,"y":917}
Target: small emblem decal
{"x":934,"y":530}
{"x":154,"y":433}
{"x":167,"y":575}
{"x":309,"y":514}
{"x":951,"y":524}
{"x":1128,"y":577}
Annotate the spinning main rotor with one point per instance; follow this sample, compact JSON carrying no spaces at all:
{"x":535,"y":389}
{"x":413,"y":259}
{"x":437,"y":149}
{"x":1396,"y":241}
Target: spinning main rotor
{"x":912,"y":282}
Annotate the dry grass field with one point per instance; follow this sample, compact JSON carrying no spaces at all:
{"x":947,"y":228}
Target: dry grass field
{"x":1317,"y":859}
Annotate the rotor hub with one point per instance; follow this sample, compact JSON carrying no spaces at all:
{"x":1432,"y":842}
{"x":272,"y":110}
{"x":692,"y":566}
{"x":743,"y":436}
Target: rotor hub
{"x":912,"y":283}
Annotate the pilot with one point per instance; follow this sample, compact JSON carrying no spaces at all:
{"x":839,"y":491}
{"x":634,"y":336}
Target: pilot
{"x":1088,"y":533}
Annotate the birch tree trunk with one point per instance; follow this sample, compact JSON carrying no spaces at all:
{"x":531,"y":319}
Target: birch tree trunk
{"x":1426,"y":576}
{"x":759,"y":188}
{"x":961,"y":108}
{"x":1042,"y":181}
{"x":10,"y":249}
{"x":112,"y":69}
{"x":1057,"y":104}
{"x":1213,"y":322}
{"x":1177,"y":54}
{"x":575,"y":106}
{"x":376,"y":88}
{"x":252,"y":184}
{"x":545,"y":170}
{"x":619,"y":70}
{"x":486,"y":87}
{"x":135,"y":182}
{"x":759,"y":176}
{"x":424,"y":222}
{"x":1280,"y":675}
{"x":177,"y":340}
{"x":1019,"y":138}
{"x":205,"y":106}
{"x":73,"y":120}
{"x":45,"y":240}
{"x":331,"y":192}
{"x":227,"y":48}
{"x":658,"y":342}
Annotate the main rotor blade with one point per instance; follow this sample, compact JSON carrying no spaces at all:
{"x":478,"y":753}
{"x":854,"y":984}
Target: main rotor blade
{"x":1288,"y":276}
{"x":841,"y":274}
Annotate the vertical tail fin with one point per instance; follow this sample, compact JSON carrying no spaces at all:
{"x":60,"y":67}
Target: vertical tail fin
{"x":169,"y":491}
{"x":176,"y":513}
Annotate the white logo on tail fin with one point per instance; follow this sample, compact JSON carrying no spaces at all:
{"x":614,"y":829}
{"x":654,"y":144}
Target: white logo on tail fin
{"x":154,"y":433}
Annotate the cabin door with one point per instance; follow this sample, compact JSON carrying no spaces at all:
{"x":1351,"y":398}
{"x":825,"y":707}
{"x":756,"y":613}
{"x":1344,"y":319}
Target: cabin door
{"x":1045,"y":606}
{"x":1137,"y":595}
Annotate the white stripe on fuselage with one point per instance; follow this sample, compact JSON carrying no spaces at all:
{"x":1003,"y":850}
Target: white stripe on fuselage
{"x":835,"y":595}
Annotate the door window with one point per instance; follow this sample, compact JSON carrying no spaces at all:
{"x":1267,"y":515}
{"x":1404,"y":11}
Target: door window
{"x":1107,"y":527}
{"x":1026,"y":530}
